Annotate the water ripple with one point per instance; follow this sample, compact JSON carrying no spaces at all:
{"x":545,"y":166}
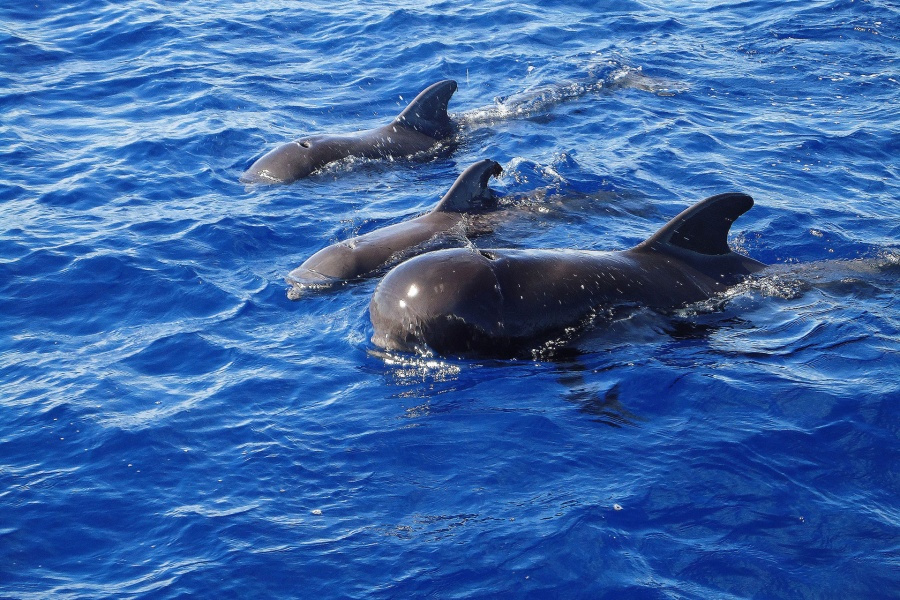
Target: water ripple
{"x":172,"y":421}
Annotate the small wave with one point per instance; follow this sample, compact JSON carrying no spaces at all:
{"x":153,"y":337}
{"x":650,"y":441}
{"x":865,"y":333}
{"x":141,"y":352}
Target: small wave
{"x":598,"y":79}
{"x":405,"y":369}
{"x":852,"y":277}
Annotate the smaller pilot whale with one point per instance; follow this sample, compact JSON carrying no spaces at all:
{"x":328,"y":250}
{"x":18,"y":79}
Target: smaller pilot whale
{"x":420,"y":126}
{"x":365,"y":254}
{"x":464,"y":301}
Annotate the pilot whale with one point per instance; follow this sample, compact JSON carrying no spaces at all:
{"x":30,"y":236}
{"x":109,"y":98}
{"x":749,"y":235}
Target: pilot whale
{"x":422,"y":124}
{"x":498,"y":301}
{"x":365,"y":254}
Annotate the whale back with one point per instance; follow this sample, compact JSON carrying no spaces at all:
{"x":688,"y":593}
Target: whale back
{"x":427,"y":113}
{"x":470,"y":190}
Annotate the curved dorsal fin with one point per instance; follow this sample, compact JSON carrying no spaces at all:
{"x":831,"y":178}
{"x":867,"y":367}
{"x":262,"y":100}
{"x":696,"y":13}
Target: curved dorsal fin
{"x":427,"y":113}
{"x":702,"y":228}
{"x":470,"y":188}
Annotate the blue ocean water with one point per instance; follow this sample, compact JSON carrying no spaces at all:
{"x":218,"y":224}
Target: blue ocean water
{"x":174,"y":426}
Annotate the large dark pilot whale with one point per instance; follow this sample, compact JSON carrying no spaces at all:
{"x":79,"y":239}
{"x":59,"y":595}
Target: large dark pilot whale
{"x":419,"y":127}
{"x":463,"y":301}
{"x":365,"y":254}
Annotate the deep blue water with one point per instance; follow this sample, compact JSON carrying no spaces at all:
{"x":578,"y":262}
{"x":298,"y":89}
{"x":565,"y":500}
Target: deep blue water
{"x":174,"y":426}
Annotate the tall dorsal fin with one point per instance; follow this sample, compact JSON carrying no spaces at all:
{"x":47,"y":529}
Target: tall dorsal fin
{"x":470,"y":190}
{"x":427,"y":113}
{"x":702,"y":228}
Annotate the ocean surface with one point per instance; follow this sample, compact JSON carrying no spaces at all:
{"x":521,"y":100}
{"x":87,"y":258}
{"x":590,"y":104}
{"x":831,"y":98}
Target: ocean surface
{"x":174,"y":426}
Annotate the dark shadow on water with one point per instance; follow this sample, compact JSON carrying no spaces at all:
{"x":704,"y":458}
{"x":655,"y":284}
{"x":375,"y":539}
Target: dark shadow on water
{"x":586,"y":362}
{"x":603,"y":406}
{"x":606,"y":408}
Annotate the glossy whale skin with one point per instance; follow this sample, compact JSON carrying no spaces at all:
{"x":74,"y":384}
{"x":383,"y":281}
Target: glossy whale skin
{"x":494,"y":301}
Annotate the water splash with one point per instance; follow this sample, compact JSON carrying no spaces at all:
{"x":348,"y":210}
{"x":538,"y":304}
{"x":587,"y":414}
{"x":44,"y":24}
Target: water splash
{"x":604,"y":78}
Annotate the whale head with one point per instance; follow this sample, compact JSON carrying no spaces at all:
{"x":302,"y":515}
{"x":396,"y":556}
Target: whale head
{"x":446,"y":302}
{"x":292,"y":161}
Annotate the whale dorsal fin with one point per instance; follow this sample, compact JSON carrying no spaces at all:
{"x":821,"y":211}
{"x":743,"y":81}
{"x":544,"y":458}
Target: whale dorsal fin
{"x":470,"y":190}
{"x":702,"y":228}
{"x":427,"y":113}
